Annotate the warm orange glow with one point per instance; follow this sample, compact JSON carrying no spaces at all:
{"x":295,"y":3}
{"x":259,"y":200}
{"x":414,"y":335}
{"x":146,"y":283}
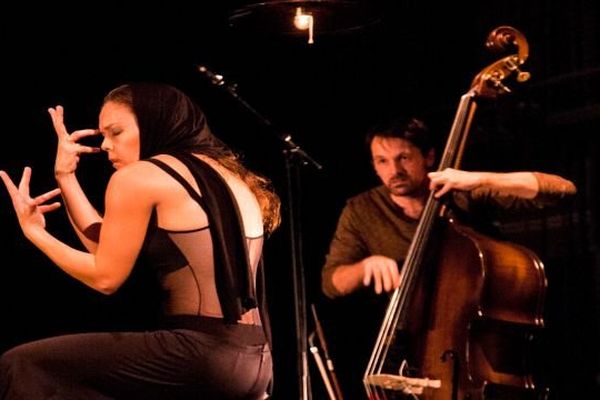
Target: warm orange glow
{"x":304,"y":21}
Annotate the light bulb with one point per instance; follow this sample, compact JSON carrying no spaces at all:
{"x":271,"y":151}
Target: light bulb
{"x":304,"y":21}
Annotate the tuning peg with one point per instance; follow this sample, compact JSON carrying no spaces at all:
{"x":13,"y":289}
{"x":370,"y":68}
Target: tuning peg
{"x":497,"y":83}
{"x":523,"y":76}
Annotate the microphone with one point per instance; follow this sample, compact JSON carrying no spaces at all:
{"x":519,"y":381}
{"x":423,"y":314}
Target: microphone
{"x":215,"y":79}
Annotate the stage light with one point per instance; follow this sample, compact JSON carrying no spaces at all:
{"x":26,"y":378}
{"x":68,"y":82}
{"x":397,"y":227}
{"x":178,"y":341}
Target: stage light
{"x":304,"y":21}
{"x":294,"y":17}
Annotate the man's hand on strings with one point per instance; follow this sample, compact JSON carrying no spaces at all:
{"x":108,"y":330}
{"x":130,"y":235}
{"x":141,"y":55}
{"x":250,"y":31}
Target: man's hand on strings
{"x":382,"y":272}
{"x":441,"y":182}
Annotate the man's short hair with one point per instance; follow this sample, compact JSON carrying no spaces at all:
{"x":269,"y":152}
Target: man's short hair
{"x":412,"y":129}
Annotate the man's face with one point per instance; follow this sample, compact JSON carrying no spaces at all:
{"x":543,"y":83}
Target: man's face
{"x":400,"y":165}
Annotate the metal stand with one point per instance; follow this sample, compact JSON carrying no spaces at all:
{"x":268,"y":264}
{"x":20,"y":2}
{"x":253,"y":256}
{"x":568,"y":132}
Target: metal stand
{"x":326,"y":368}
{"x":295,"y":158}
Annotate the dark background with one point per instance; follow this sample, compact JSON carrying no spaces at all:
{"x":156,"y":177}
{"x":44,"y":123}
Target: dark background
{"x":407,"y":57}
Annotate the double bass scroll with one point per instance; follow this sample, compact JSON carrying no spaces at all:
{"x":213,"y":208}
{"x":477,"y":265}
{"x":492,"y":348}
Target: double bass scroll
{"x":461,"y":322}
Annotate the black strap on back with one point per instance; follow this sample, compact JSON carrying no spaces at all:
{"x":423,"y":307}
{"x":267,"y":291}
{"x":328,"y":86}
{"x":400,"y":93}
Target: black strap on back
{"x":235,"y":287}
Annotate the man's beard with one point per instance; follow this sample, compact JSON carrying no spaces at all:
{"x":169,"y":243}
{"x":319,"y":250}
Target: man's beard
{"x":401,"y":185}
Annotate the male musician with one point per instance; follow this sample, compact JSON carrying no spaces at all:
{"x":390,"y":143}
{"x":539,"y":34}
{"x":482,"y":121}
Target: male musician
{"x":376,"y":227}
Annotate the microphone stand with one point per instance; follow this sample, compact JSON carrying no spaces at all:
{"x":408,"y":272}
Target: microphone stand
{"x":295,"y":158}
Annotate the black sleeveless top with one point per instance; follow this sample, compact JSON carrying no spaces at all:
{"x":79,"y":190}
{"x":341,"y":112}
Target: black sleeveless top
{"x":199,"y":267}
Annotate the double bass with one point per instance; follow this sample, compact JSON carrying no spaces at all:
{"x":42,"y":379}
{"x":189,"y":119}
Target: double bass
{"x":461,"y":324}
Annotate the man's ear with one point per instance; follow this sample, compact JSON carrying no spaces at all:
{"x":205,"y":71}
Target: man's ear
{"x":430,"y":158}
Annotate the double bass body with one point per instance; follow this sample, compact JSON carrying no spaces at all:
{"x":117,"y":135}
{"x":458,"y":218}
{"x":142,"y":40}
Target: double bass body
{"x":474,"y":315}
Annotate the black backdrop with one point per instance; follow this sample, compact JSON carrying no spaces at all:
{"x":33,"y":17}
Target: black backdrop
{"x":417,"y":59}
